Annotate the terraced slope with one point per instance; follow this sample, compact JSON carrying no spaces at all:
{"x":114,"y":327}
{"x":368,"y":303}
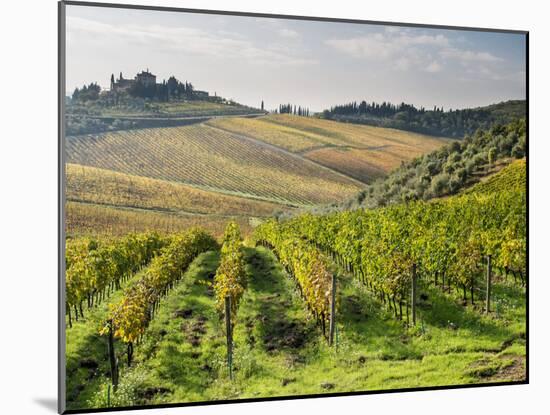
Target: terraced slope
{"x":511,"y":177}
{"x":212,"y":159}
{"x":362,"y":152}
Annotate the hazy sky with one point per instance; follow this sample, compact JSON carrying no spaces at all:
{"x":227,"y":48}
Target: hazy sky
{"x":315,"y":64}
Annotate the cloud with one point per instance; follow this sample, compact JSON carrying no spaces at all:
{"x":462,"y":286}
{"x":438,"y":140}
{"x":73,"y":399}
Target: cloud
{"x":392,"y":29}
{"x":364,"y":47}
{"x":437,"y":40}
{"x":399,"y":48}
{"x":403,"y":64}
{"x":289,"y":33}
{"x":188,"y":40}
{"x":434,"y":67}
{"x":405,"y":49}
{"x":385,"y":45}
{"x":467,"y":56}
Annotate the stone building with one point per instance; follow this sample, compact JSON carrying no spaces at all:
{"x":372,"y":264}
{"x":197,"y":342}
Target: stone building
{"x":146,"y":78}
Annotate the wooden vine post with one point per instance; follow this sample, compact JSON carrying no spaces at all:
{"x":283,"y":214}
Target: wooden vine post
{"x":332,"y":311}
{"x":413,"y":295}
{"x":229,"y":335}
{"x":488,"y":293}
{"x":112,"y":357}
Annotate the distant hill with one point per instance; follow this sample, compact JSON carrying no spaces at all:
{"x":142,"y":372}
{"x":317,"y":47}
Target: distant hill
{"x":213,"y":160}
{"x":362,"y":152}
{"x":446,"y":171}
{"x":144,"y":103}
{"x":240,"y":168}
{"x":453,"y":123}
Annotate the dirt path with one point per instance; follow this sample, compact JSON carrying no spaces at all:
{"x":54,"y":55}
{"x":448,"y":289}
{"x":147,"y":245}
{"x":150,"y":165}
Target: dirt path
{"x":288,"y":153}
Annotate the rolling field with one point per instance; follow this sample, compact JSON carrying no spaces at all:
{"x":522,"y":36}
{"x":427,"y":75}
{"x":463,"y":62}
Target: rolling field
{"x":212,"y":159}
{"x":106,"y":187}
{"x":169,"y":179}
{"x":361,"y":152}
{"x":83,"y":219}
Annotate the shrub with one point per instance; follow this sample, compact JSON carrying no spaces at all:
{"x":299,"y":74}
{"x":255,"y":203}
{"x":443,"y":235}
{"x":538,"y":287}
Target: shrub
{"x":491,"y":155}
{"x":517,"y":151}
{"x":455,"y":183}
{"x":440,"y":184}
{"x":449,"y":167}
{"x":461,"y":173}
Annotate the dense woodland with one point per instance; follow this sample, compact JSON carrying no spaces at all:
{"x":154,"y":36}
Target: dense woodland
{"x":437,"y":121}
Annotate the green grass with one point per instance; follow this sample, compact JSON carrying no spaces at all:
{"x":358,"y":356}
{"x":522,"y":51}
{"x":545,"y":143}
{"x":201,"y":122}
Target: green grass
{"x":182,"y":349}
{"x":280,"y":351}
{"x":86,"y":350}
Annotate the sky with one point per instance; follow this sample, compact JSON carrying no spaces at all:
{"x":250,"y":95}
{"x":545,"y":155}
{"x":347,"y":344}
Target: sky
{"x":313,"y":64}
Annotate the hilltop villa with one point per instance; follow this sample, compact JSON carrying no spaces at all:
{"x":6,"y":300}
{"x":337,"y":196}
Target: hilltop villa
{"x":144,"y":77}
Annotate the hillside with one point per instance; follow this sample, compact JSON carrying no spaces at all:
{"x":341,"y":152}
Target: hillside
{"x":96,"y":117}
{"x":511,"y":177}
{"x":214,"y":160}
{"x":170,"y":109}
{"x":143,"y":101}
{"x":362,"y":152}
{"x":172,"y":178}
{"x":93,"y":220}
{"x":452,"y":123}
{"x":446,"y":171}
{"x":110,"y":188}
{"x":103,"y":202}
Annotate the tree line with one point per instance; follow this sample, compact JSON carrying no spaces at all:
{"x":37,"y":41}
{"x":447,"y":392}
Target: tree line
{"x":87,"y":92}
{"x":165,"y":91}
{"x":293,"y":110}
{"x":385,"y":109}
{"x":436,"y":121}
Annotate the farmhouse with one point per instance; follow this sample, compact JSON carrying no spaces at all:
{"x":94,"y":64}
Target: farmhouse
{"x":200,"y":94}
{"x":145,"y":85}
{"x":146,"y":78}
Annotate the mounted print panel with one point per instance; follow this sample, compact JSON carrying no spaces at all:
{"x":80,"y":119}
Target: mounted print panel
{"x":257,"y":207}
